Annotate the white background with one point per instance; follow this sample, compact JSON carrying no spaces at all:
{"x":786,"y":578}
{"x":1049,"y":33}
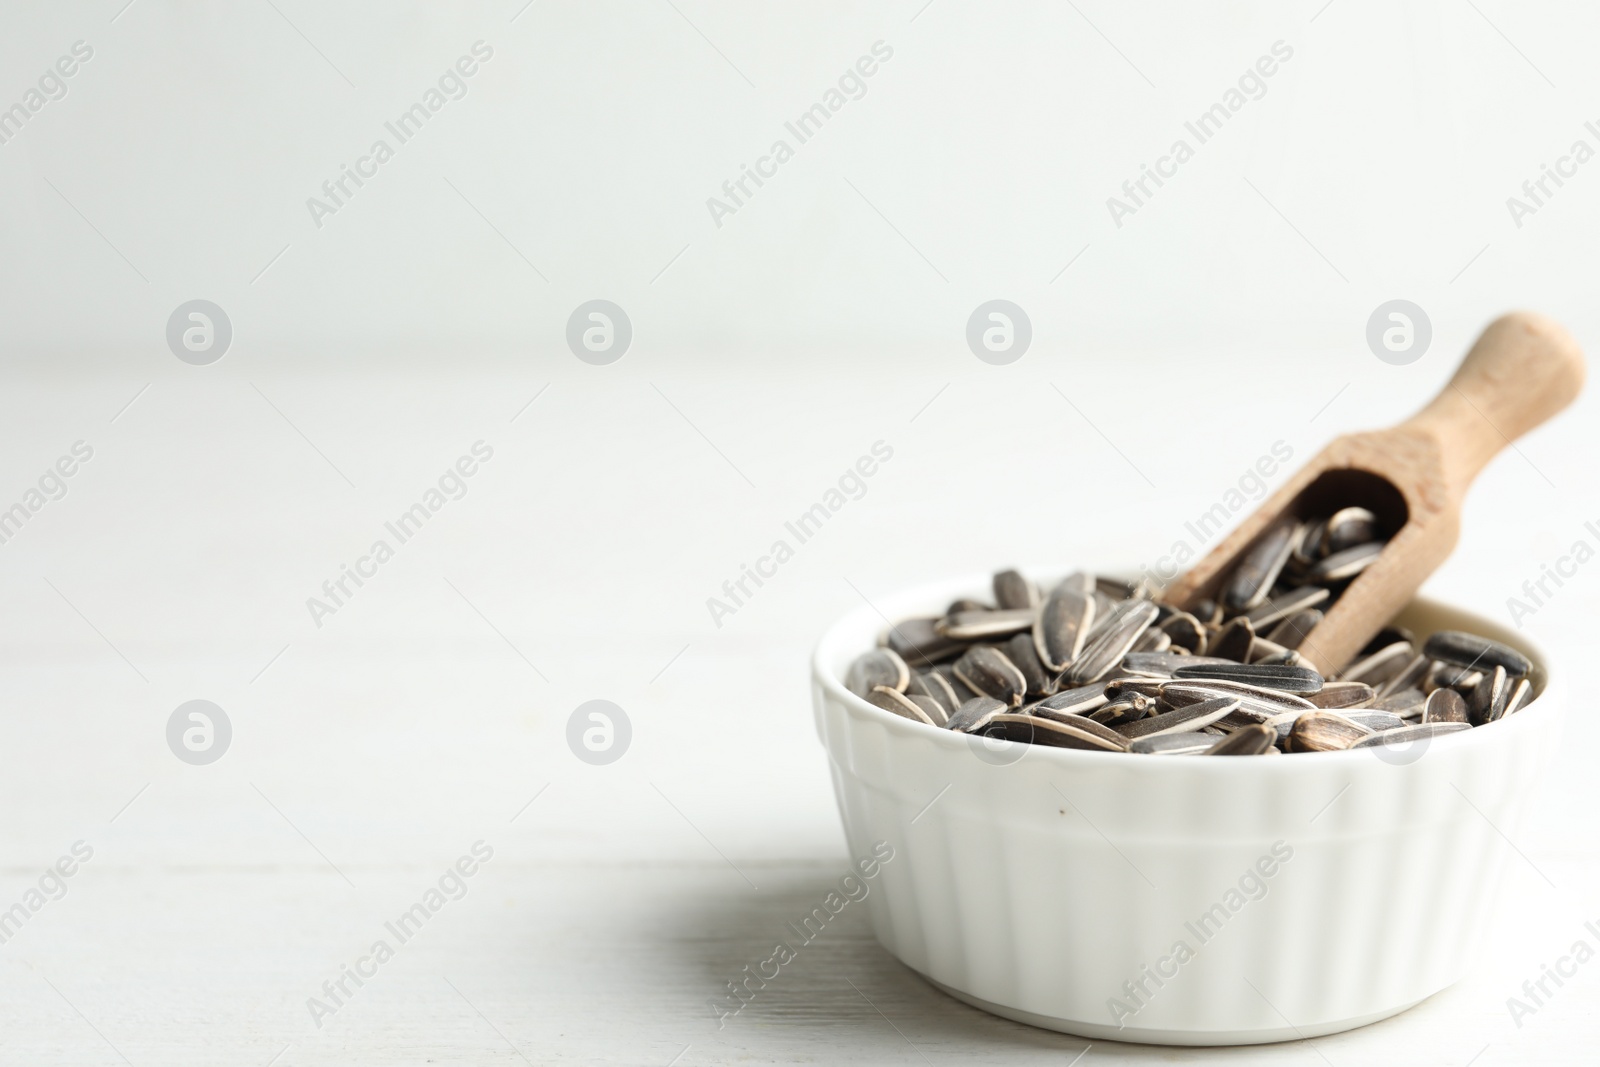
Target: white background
{"x":768,"y":354}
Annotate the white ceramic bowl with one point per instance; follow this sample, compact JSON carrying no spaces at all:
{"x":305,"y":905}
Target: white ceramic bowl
{"x":1054,"y":886}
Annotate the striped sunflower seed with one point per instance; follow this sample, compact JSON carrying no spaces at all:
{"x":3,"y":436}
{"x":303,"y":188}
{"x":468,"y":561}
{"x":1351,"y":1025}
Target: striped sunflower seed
{"x":975,"y":714}
{"x":1019,"y":650}
{"x":1325,"y":731}
{"x":1288,"y":679}
{"x":881,"y":666}
{"x":1475,"y":653}
{"x":1162,"y":664}
{"x":1489,"y":698}
{"x":1444,"y":705}
{"x":1123,"y":626}
{"x":979,"y":625}
{"x":1347,"y":528}
{"x":1078,"y":701}
{"x":1380,"y":666}
{"x":1293,"y":629}
{"x":932,"y":684}
{"x":1336,"y":695}
{"x":1283,"y":605}
{"x":1408,"y":703}
{"x":1130,"y":708}
{"x":1246,"y":741}
{"x":1254,"y":698}
{"x":1186,"y":632}
{"x":1448,"y":675}
{"x":1407,"y":734}
{"x":1253,"y":579}
{"x":1345,"y":565}
{"x":1063,"y":625}
{"x":1182,"y":720}
{"x":1521,"y":693}
{"x":1308,"y":543}
{"x":919,"y":643}
{"x":961,"y":689}
{"x":1183,"y":744}
{"x":906,"y":707}
{"x":1235,"y":640}
{"x":990,"y":672}
{"x":1152,"y":640}
{"x":1373,"y":719}
{"x":1411,"y":676}
{"x":1032,"y":730}
{"x":1012,"y":590}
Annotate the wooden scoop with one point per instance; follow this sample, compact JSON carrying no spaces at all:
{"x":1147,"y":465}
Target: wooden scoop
{"x":1523,"y":369}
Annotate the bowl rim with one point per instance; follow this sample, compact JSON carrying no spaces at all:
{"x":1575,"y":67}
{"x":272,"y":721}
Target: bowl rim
{"x":900,"y":727}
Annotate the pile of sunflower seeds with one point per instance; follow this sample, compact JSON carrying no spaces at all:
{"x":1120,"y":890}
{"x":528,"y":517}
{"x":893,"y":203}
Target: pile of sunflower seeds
{"x":1100,"y":664}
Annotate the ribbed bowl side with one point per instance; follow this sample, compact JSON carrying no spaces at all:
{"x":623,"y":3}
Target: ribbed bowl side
{"x":1306,"y":891}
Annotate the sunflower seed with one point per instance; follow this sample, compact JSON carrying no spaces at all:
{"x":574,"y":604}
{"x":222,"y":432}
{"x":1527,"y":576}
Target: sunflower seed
{"x":1293,"y":630}
{"x":1288,"y":679}
{"x":1347,"y":528}
{"x":1029,"y":729}
{"x":1325,"y":731}
{"x":918,"y":642}
{"x":1407,"y":734}
{"x":977,"y":625}
{"x":1444,"y":705}
{"x":1335,"y":695}
{"x":907,"y":707}
{"x":1163,"y":663}
{"x":1130,"y":708}
{"x":933,"y":684}
{"x":1475,"y":653}
{"x":1123,"y":626}
{"x":1410,"y":676}
{"x":1267,"y":654}
{"x":1408,"y":703}
{"x":1373,"y":719}
{"x":1184,"y":744}
{"x":1019,"y":650}
{"x":1308,"y":545}
{"x":1489,"y":698}
{"x":1254,"y":697}
{"x":1012,"y":590}
{"x":989,"y":671}
{"x":1386,"y":637}
{"x":1283,"y":605}
{"x":881,"y":666}
{"x":1078,"y":701}
{"x":1080,"y":582}
{"x":1089,"y":726}
{"x":1380,"y":666}
{"x":1145,"y":687}
{"x":1448,"y":675}
{"x":1246,"y":741}
{"x":975,"y":714}
{"x":1346,"y":564}
{"x":967,"y":604}
{"x":1185,"y":631}
{"x":1152,"y":640}
{"x":1207,"y":611}
{"x":1062,"y":626}
{"x":1521,"y":693}
{"x":1115,"y":588}
{"x":961,"y":689}
{"x":1184,"y":719}
{"x":1252,"y":580}
{"x":1235,"y":640}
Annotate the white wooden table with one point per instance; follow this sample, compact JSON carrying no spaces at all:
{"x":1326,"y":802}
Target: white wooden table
{"x":429,"y":712}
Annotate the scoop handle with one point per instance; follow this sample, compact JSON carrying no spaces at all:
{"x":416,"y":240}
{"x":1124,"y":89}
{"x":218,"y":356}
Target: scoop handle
{"x":1522,"y":370}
